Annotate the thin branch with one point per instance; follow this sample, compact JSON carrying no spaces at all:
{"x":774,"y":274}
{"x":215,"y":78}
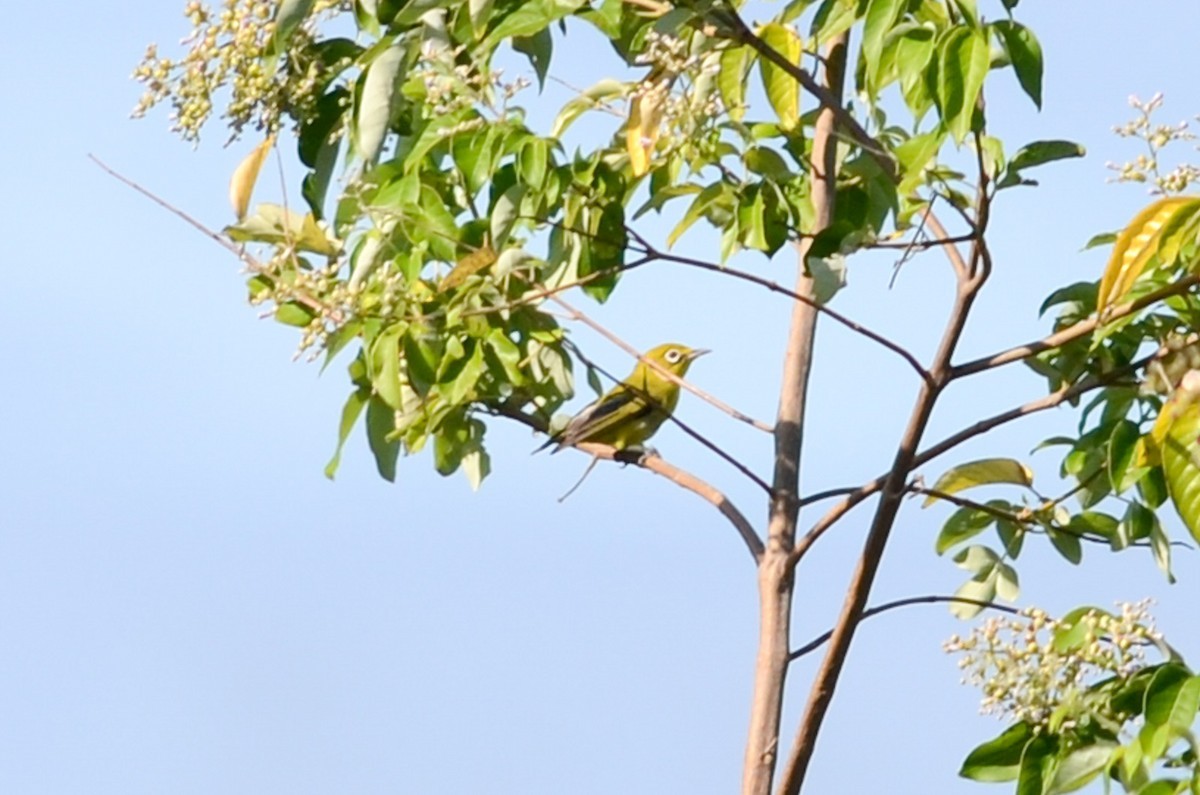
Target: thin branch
{"x":659,"y":466}
{"x":689,"y":430}
{"x":823,"y":638}
{"x":919,"y":245}
{"x":948,"y":243}
{"x":871,"y":487}
{"x":827,"y":494}
{"x":1050,"y":401}
{"x":579,"y":316}
{"x":1073,"y":332}
{"x":224,"y":242}
{"x":832,"y":314}
{"x":546,"y":292}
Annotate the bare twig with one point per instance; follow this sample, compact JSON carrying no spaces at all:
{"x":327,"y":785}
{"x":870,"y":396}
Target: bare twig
{"x":948,"y":243}
{"x":579,"y":316}
{"x":832,"y":314}
{"x":824,"y":637}
{"x":224,"y":242}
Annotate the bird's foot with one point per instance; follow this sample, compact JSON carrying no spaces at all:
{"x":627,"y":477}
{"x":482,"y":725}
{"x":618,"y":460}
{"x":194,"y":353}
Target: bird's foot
{"x":636,"y":455}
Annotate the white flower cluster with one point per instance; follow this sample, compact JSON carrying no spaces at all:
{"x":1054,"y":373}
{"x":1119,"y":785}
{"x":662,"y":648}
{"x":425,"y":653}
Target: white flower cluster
{"x":1028,"y":670}
{"x":1147,"y":167}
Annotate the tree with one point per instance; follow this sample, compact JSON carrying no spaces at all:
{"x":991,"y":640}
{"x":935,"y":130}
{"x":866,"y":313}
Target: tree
{"x":441,"y":272}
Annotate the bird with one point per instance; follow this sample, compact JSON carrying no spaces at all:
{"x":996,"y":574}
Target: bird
{"x":631,"y":412}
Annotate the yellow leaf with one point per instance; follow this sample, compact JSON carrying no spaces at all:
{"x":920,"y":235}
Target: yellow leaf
{"x":783,"y":92}
{"x":981,"y":473}
{"x":241,"y":184}
{"x":1136,"y":245}
{"x":469,"y":265}
{"x":1181,"y":460}
{"x":645,"y":116}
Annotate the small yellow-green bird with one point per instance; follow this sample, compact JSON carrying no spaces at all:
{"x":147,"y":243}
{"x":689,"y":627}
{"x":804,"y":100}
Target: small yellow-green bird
{"x":630,"y":413}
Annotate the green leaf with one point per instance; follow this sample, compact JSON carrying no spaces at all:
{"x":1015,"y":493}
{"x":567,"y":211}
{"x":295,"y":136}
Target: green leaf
{"x":480,"y":12}
{"x":914,"y":155}
{"x":380,"y":423}
{"x":1067,"y":544}
{"x":529,"y":18}
{"x":476,"y":465}
{"x":1173,"y":699}
{"x":963,"y":524}
{"x":999,"y":759}
{"x":881,"y":16}
{"x":731,"y":81}
{"x":288,"y":17}
{"x":1008,"y":585}
{"x":1102,"y":239}
{"x":1181,"y":461}
{"x":714,"y":193}
{"x":538,"y":48}
{"x":590,"y":99}
{"x":294,"y":314}
{"x":505,"y":215}
{"x":350,"y":414}
{"x":1036,"y":154}
{"x":983,"y":472}
{"x":978,"y":590}
{"x":963,"y":63}
{"x":274,"y":225}
{"x":1025,"y":53}
{"x":375,"y":105}
{"x":783,"y":92}
{"x":979,"y":560}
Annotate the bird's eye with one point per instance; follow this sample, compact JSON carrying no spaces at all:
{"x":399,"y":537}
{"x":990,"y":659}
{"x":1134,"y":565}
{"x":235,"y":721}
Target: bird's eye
{"x":673,"y":356}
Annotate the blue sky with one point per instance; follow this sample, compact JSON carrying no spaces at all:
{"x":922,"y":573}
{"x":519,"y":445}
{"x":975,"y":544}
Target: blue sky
{"x":187,"y":605}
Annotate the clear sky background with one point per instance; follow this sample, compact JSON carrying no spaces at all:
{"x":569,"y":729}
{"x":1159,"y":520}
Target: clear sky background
{"x":188,"y":606}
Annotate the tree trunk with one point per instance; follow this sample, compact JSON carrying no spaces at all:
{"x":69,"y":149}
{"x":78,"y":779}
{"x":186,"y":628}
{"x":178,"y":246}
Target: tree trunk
{"x":775,"y":584}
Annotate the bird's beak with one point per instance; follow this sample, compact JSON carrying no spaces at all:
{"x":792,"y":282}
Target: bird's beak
{"x":696,"y":354}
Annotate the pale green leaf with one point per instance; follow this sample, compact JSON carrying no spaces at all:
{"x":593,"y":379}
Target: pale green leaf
{"x":380,"y":423}
{"x":963,"y":64}
{"x":983,"y":472}
{"x":375,"y":104}
{"x":731,"y":80}
{"x":881,"y":16}
{"x":288,"y":17}
{"x":977,"y":590}
{"x":350,"y":414}
{"x":783,"y":92}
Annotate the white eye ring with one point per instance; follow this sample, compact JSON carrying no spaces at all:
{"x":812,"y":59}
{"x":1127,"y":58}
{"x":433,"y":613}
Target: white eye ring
{"x":673,"y":356}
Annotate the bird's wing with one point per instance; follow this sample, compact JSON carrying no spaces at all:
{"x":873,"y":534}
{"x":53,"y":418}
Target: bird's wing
{"x":604,"y":414}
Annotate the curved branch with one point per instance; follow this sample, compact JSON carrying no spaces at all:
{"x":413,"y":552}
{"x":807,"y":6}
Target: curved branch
{"x":1073,"y":332}
{"x":823,"y":638}
{"x":659,"y":466}
{"x":857,"y":495}
{"x":774,"y":287}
